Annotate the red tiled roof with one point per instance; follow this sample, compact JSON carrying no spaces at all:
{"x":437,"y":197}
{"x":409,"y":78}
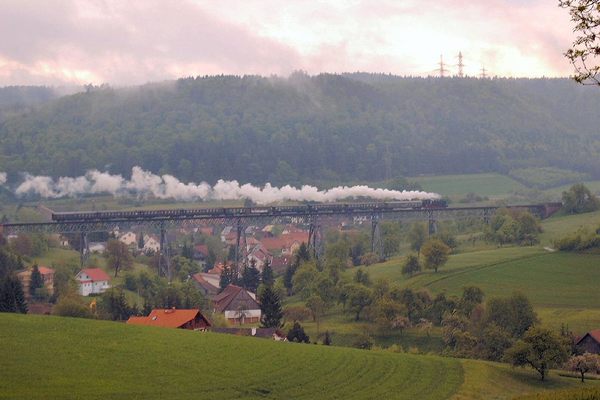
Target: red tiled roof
{"x":216,"y":270}
{"x":167,"y":318}
{"x":96,"y":274}
{"x":229,"y":294}
{"x":201,"y":248}
{"x":284,"y":241}
{"x":45,"y":270}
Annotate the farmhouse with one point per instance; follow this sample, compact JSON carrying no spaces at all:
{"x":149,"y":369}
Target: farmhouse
{"x":590,"y":342}
{"x":173,"y":318}
{"x":92,"y":281}
{"x":238,"y":305}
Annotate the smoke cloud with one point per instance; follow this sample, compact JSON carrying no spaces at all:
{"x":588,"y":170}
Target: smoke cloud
{"x":2,"y":178}
{"x":146,"y":184}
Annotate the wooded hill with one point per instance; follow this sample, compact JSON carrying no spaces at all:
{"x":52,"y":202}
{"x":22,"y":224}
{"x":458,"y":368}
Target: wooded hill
{"x":302,"y":129}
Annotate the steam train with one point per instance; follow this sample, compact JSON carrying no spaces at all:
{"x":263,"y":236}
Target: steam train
{"x":317,"y":208}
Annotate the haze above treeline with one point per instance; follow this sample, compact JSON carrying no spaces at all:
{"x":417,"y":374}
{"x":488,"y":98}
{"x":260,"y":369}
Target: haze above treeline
{"x":302,"y":129}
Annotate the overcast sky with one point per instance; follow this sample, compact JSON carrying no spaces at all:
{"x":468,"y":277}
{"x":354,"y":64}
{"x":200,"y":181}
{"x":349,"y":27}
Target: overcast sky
{"x":57,"y":42}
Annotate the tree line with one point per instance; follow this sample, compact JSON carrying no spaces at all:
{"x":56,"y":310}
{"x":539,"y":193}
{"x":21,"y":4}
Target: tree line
{"x":350,"y":127}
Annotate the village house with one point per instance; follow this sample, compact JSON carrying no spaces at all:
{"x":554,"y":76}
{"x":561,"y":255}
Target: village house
{"x":286,"y":243}
{"x":173,"y":318}
{"x":259,"y":255}
{"x":129,"y":239}
{"x":207,"y":286}
{"x":205,"y":230}
{"x":225,"y":232}
{"x":238,"y":305}
{"x":47,"y":276}
{"x":151,"y":244}
{"x":200,"y":253}
{"x":97,"y":247}
{"x":279,"y":264}
{"x":590,"y":342}
{"x":92,"y":281}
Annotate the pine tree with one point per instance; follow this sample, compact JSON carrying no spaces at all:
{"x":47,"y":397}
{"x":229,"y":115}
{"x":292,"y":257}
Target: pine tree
{"x":12,"y":296}
{"x":36,"y":280}
{"x":267,"y":274}
{"x":251,"y":277}
{"x":270,"y":307}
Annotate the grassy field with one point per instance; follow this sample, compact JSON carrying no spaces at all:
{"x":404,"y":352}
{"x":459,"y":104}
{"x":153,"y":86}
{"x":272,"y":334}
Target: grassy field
{"x":551,"y":280}
{"x":563,"y":287}
{"x":559,"y":226}
{"x":493,"y":185}
{"x":63,"y":358}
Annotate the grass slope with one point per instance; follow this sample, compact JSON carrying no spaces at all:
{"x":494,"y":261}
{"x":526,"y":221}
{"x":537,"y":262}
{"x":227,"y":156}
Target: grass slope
{"x":562,"y":286}
{"x":61,"y":358}
{"x":459,"y":185}
{"x":64,"y":358}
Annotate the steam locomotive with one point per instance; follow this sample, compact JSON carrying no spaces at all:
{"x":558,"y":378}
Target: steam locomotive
{"x":317,"y":208}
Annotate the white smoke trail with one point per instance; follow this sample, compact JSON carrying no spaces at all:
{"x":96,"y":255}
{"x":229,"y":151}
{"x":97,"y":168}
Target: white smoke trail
{"x":146,"y":184}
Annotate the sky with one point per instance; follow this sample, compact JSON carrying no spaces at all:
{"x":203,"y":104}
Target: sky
{"x":64,"y":42}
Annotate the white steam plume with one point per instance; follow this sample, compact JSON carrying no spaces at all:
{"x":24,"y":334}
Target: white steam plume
{"x":145,"y":184}
{"x":2,"y":178}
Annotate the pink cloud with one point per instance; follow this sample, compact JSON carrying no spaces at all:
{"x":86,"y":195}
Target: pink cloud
{"x":138,"y":41}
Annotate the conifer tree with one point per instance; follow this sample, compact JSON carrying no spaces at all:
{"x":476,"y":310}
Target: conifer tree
{"x":36,"y":280}
{"x":251,"y":277}
{"x":267,"y":274}
{"x":270,"y":307}
{"x":12,"y":296}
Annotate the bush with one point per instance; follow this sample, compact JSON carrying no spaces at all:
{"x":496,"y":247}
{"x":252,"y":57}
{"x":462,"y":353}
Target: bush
{"x":297,"y":334}
{"x":71,"y":306}
{"x":297,"y":313}
{"x":364,"y":342}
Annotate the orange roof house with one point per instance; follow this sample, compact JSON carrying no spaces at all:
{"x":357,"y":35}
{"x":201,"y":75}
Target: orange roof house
{"x":173,"y":318}
{"x":287,"y":243}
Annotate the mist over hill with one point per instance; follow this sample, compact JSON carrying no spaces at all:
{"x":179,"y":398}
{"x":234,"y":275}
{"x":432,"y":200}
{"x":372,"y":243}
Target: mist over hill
{"x":301,"y":129}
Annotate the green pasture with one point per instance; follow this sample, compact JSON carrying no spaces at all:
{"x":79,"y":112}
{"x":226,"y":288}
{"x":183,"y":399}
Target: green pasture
{"x":562,"y":225}
{"x":107,"y":360}
{"x":563,"y":287}
{"x":45,"y":357}
{"x":494,"y":185}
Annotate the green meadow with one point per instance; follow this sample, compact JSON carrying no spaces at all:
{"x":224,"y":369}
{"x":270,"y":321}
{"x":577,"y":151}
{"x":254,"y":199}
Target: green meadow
{"x":44,"y":357}
{"x":493,"y":185}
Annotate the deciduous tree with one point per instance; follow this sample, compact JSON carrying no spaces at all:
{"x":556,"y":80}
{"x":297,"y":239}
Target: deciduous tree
{"x":583,"y":364}
{"x":540,"y":349}
{"x":118,"y":255}
{"x":435,"y":253}
{"x":585,"y":51}
{"x":411,"y":265}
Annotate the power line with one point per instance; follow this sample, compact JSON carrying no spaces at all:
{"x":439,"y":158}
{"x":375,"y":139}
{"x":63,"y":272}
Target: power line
{"x":460,"y":65}
{"x":442,"y":67}
{"x":483,"y":73}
